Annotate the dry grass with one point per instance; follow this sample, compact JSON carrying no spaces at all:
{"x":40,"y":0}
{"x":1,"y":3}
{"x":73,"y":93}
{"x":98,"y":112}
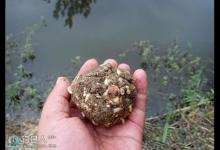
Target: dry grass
{"x":189,"y":128}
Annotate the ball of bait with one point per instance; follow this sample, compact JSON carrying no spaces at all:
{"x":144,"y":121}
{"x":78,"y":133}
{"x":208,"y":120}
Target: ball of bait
{"x":105,"y":95}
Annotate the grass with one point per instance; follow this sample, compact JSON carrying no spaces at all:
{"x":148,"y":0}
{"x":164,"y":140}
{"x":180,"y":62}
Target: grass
{"x":190,"y":128}
{"x":166,"y":128}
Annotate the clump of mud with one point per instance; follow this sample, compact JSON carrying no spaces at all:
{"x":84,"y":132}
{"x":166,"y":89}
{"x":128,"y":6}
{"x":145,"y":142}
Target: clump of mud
{"x":105,"y":96}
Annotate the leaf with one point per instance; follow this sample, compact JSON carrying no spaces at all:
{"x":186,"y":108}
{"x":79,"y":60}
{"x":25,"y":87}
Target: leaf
{"x":166,"y":128}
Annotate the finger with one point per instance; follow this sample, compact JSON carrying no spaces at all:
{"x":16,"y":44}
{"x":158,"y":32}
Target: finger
{"x":57,"y":103}
{"x":112,"y":62}
{"x":140,"y":78}
{"x":88,"y":66}
{"x":60,"y":88}
{"x":138,"y":113}
{"x":125,"y":67}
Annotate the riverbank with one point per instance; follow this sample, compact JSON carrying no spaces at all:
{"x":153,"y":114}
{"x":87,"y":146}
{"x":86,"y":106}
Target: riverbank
{"x":188,"y":128}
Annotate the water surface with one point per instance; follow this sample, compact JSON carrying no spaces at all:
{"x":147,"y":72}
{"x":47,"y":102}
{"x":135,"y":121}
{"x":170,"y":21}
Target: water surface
{"x":110,"y":28}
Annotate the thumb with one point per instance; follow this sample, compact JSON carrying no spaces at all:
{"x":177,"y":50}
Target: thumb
{"x":57,"y":103}
{"x":60,"y":89}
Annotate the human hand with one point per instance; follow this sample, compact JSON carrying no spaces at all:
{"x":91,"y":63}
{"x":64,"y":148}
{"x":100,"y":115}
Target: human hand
{"x":61,"y":120}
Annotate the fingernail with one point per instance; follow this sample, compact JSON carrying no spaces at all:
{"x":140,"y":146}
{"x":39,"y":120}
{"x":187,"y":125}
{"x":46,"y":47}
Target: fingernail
{"x":61,"y":80}
{"x":112,"y":62}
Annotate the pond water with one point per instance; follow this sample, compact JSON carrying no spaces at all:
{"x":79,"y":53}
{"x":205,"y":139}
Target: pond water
{"x":110,"y":28}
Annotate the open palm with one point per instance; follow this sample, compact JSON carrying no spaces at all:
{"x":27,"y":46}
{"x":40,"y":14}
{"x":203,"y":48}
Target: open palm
{"x":61,"y":120}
